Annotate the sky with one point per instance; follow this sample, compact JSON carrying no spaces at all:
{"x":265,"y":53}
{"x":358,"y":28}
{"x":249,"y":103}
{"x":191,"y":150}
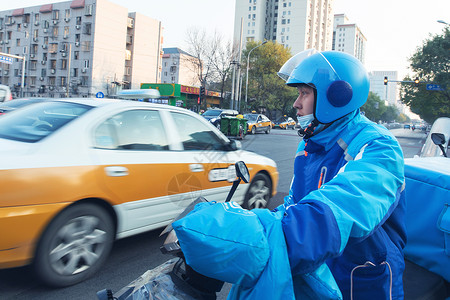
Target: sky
{"x":393,"y":28}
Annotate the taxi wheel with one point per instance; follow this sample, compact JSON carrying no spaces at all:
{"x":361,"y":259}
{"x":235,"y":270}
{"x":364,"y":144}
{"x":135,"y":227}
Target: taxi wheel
{"x":259,"y":192}
{"x":253,"y":130}
{"x":74,"y":246}
{"x":268,"y":130}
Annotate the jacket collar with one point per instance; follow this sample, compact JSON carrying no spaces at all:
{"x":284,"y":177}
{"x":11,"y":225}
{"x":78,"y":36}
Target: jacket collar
{"x":329,"y":136}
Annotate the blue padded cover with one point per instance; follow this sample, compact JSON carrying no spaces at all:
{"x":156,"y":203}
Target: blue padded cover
{"x":428,"y":215}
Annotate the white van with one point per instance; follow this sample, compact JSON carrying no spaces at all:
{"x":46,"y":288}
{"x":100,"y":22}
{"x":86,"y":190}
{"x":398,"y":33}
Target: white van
{"x":5,"y":93}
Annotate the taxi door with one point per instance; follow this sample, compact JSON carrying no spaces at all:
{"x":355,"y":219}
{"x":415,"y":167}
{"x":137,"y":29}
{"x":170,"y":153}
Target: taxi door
{"x":148,"y":168}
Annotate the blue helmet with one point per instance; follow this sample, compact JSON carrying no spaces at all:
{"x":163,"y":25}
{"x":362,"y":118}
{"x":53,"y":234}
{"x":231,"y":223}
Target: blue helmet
{"x":341,"y":81}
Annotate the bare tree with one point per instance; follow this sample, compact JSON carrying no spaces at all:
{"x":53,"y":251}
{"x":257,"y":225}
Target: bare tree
{"x":210,"y":57}
{"x":221,"y":62}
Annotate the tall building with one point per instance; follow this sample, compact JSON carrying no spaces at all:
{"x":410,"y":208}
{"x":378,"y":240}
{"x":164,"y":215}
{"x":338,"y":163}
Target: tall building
{"x":299,"y":24}
{"x":79,"y":48}
{"x":176,"y":68}
{"x":348,"y":38}
{"x":388,"y":92}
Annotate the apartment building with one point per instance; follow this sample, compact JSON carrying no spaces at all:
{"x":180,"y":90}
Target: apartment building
{"x":299,"y":24}
{"x":177,"y":68}
{"x":79,"y":48}
{"x":348,"y":37}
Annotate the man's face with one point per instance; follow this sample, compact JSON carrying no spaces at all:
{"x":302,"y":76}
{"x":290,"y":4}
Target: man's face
{"x":305,"y":101}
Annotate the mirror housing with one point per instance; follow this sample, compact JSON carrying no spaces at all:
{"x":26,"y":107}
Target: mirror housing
{"x":235,"y":145}
{"x":438,"y":138}
{"x":242,"y":171}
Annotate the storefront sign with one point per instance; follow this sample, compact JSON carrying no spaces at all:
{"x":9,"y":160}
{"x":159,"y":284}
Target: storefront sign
{"x":190,"y":90}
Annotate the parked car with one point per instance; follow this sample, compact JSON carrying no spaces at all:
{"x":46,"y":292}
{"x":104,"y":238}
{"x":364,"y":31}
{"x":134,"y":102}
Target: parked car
{"x":284,"y":123}
{"x":5,"y":93}
{"x":75,"y":174}
{"x":17,"y":103}
{"x":407,"y":126}
{"x":258,"y":123}
{"x":429,"y":148}
{"x":427,"y":188}
{"x":214,"y":115}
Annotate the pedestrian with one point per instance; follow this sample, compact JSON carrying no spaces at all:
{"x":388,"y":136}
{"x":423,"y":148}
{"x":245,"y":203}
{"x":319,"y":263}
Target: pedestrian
{"x":346,"y":202}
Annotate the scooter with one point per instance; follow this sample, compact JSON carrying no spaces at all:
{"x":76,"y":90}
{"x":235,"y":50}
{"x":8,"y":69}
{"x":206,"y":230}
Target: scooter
{"x":174,"y":279}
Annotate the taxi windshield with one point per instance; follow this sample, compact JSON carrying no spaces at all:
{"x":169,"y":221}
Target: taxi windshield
{"x":250,"y":117}
{"x":34,"y":122}
{"x":212,"y":113}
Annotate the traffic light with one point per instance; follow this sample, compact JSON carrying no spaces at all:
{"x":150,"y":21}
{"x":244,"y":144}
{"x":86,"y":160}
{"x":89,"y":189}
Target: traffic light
{"x":385,"y":80}
{"x":416,"y":81}
{"x":202,"y":92}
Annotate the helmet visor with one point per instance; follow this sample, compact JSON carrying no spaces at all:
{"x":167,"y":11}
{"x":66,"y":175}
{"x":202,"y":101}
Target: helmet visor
{"x":293,"y":62}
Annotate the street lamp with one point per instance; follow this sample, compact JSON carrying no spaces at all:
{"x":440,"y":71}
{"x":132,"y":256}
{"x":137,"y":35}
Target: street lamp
{"x":248,"y":62}
{"x":442,"y":22}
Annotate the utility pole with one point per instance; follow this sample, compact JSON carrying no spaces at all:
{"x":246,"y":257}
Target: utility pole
{"x":239,"y":65}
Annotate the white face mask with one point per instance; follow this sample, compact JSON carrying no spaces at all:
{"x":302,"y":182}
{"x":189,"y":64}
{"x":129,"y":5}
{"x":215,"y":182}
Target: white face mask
{"x":304,"y":121}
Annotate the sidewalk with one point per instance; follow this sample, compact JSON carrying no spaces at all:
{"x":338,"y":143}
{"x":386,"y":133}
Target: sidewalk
{"x":408,"y":133}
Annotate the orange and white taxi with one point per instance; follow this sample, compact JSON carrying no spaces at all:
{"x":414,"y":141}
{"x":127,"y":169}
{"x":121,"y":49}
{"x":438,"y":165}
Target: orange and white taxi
{"x":75,"y":174}
{"x":258,"y":123}
{"x":284,"y":123}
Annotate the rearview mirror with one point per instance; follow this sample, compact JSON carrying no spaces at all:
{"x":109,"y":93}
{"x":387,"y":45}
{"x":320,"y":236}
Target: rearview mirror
{"x":235,"y":145}
{"x":438,"y":138}
{"x":242,"y":171}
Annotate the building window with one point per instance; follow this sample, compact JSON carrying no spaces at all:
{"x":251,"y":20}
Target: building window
{"x":67,"y":14}
{"x":17,"y":42}
{"x":127,"y":54}
{"x":89,"y":10}
{"x":36,"y":19}
{"x":78,"y":21}
{"x":76,"y":55}
{"x":55,"y":32}
{"x":86,"y":63}
{"x":87,"y":28}
{"x":86,"y":46}
{"x":62,"y":81}
{"x":55,"y":15}
{"x":63,"y":64}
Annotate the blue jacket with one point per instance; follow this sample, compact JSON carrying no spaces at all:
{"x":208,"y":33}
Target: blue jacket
{"x":346,"y":208}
